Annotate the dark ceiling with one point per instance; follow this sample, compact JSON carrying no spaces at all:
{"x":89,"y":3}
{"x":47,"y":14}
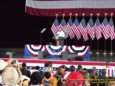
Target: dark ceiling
{"x":18,"y":28}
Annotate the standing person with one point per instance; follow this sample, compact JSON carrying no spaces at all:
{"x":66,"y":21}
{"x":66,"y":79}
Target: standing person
{"x":50,"y":68}
{"x":25,"y":71}
{"x":109,"y":70}
{"x":60,"y":35}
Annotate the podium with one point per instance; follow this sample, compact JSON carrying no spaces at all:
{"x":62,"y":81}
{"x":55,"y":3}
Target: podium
{"x":59,"y":40}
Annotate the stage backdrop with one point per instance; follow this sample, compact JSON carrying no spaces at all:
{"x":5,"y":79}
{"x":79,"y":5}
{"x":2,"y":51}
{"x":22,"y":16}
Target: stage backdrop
{"x":31,"y":50}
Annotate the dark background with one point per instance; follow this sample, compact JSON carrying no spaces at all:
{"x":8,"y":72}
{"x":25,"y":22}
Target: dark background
{"x":18,"y":28}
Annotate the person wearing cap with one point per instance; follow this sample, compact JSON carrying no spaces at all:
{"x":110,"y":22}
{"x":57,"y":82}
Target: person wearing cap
{"x":3,"y":65}
{"x":74,"y":78}
{"x":11,"y":76}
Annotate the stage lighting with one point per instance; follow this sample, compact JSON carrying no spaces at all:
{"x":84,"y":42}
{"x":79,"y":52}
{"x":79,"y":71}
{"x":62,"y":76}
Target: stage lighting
{"x":97,"y":53}
{"x":104,"y":53}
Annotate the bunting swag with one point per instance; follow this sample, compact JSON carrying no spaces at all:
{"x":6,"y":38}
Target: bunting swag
{"x":52,"y":7}
{"x":31,"y":50}
{"x":83,"y":29}
{"x":81,"y":50}
{"x":55,"y":50}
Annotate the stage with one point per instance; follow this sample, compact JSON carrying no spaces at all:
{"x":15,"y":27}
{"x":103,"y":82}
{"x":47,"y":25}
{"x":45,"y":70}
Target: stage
{"x":20,"y":54}
{"x":94,"y":60}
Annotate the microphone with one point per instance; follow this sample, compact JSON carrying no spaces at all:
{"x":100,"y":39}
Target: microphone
{"x":43,"y":30}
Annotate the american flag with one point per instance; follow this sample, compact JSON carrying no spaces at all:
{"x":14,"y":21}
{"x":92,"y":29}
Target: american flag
{"x":97,"y":26}
{"x":52,"y":7}
{"x":105,"y":28}
{"x":111,"y":29}
{"x":54,"y":27}
{"x":83,"y":30}
{"x":90,"y":28}
{"x":75,"y":28}
{"x":70,"y":28}
{"x":63,"y":25}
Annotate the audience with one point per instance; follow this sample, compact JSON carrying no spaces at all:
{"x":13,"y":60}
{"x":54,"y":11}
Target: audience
{"x":76,"y":76}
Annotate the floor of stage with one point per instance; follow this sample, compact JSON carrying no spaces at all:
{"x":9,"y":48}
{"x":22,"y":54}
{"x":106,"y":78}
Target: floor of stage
{"x":19,"y":54}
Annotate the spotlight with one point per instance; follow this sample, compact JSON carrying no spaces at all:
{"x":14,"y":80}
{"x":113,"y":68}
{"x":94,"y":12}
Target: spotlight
{"x":111,"y":53}
{"x":97,"y":53}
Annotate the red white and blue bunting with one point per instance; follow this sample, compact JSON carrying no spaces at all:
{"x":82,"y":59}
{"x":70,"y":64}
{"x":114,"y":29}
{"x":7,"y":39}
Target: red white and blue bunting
{"x":32,"y":50}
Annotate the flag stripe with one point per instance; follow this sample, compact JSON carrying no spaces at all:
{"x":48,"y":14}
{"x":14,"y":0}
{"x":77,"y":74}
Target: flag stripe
{"x":51,"y":7}
{"x":70,"y":4}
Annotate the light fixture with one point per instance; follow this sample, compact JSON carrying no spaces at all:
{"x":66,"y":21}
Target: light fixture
{"x":97,"y":53}
{"x":111,"y":53}
{"x":104,"y":53}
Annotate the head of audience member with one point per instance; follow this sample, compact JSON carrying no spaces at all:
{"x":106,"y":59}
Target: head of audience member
{"x":37,"y":67}
{"x":24,"y":65}
{"x":11,"y":76}
{"x":79,"y":68}
{"x":36,"y":78}
{"x":84,"y":69}
{"x":107,"y":63}
{"x":3,"y":65}
{"x":46,"y":64}
{"x":103,"y":72}
{"x":72,"y":69}
{"x":111,"y":81}
{"x":63,"y":66}
{"x":75,"y":79}
{"x":47,"y":75}
{"x":49,"y":64}
{"x":94,"y":68}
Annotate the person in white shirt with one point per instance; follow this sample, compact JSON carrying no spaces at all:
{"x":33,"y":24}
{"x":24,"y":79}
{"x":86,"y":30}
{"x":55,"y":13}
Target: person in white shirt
{"x":60,"y":36}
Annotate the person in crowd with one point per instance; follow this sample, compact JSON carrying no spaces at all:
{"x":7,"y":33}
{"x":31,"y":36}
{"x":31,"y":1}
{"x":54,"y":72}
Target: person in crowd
{"x":63,"y":70}
{"x":50,"y":68}
{"x":46,"y":79}
{"x":86,"y":77}
{"x":111,"y":81}
{"x":37,"y":68}
{"x":12,"y":77}
{"x":71,"y":69}
{"x":93,"y":72}
{"x":74,"y":78}
{"x":2,"y":69}
{"x":45,"y":67}
{"x":36,"y":79}
{"x":53,"y":81}
{"x":79,"y":68}
{"x":25,"y":71}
